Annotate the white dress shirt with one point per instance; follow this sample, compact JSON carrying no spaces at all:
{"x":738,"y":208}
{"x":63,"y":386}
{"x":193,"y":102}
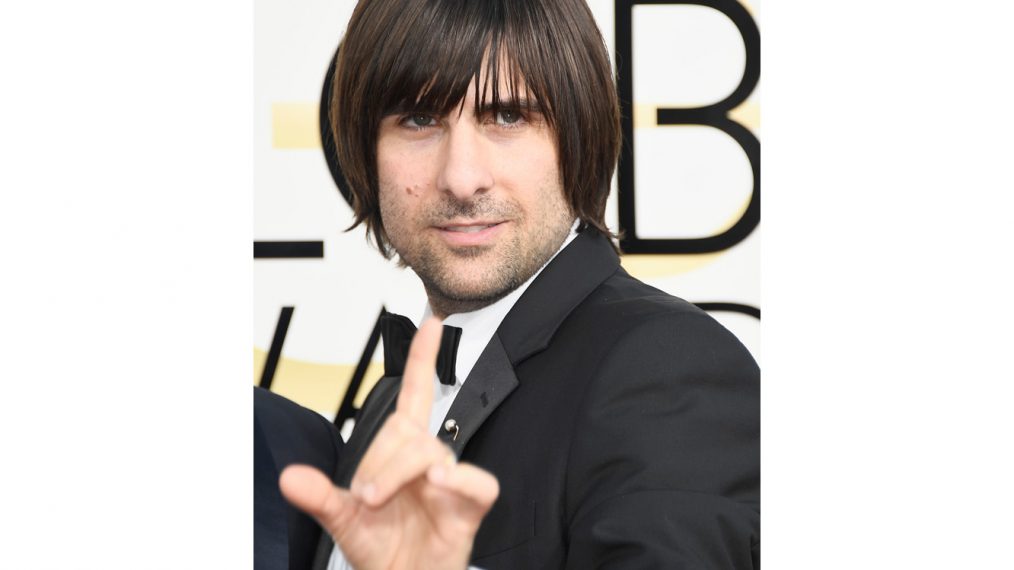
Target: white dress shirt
{"x":477,"y":328}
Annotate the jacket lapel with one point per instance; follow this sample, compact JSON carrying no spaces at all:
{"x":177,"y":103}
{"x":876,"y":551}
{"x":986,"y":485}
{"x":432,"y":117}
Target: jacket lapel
{"x":380,"y":404}
{"x":572,"y":275}
{"x":489,"y":383}
{"x":526,"y":330}
{"x":383,"y":399}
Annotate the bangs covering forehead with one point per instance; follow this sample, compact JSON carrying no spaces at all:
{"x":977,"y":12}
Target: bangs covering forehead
{"x":405,"y":56}
{"x":447,"y":44}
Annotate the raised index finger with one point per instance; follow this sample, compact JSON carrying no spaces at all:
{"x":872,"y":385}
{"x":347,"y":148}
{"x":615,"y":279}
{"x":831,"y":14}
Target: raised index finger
{"x":416,"y":396}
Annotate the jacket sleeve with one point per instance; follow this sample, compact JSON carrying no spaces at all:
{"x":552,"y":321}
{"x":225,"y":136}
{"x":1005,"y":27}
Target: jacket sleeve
{"x":666,"y":471}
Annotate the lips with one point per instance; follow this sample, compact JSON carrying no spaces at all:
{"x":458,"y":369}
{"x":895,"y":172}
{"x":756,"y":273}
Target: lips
{"x":471,"y":233}
{"x":467,"y":229}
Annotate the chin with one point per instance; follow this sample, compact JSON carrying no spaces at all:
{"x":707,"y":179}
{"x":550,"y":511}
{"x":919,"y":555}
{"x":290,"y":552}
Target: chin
{"x":473,"y":291}
{"x":464,"y":295}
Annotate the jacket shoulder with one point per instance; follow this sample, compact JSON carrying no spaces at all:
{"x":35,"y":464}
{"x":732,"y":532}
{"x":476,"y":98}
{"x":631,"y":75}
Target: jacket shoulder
{"x":623,"y":306}
{"x":669,"y":425}
{"x":296,"y":434}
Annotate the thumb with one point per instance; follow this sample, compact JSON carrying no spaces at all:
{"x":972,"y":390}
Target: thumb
{"x":311,"y":491}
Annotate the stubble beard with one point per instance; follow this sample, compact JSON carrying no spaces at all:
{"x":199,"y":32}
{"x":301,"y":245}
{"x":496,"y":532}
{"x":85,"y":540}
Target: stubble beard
{"x":510,"y":263}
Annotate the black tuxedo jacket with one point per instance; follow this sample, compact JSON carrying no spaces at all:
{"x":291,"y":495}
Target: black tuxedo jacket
{"x":621,"y":422}
{"x":286,"y":433}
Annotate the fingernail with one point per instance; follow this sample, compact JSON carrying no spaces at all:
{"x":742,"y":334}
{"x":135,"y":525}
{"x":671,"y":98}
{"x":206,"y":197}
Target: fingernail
{"x":437,"y":474}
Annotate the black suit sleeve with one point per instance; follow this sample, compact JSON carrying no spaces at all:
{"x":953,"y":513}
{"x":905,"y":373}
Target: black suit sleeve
{"x":287,"y":433}
{"x":296,"y":434}
{"x":665,"y":472}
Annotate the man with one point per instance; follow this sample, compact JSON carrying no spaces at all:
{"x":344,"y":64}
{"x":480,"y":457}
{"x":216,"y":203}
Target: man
{"x":479,"y":140}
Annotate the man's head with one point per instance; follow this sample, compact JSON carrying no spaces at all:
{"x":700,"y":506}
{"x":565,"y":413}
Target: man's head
{"x":451,"y":115}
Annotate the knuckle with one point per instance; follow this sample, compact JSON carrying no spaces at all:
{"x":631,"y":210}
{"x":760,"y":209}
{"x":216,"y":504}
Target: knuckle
{"x":428,"y":445}
{"x":402,"y":425}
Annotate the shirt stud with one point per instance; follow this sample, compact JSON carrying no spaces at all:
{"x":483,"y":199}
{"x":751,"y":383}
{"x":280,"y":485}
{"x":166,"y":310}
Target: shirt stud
{"x":451,"y":426}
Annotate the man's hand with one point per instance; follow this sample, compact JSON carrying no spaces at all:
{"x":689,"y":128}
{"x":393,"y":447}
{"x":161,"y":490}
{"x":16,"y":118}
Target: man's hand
{"x":410,"y":505}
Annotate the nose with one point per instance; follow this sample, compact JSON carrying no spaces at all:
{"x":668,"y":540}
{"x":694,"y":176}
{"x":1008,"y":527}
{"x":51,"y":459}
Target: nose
{"x":465,"y":170}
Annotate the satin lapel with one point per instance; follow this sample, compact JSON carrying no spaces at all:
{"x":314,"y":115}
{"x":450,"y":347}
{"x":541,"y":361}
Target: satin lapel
{"x":382,"y":398}
{"x":488,"y":385}
{"x":572,"y":275}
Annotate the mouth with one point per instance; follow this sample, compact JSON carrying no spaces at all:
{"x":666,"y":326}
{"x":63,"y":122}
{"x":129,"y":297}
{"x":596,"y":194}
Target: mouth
{"x":470,"y":233}
{"x":469,"y":229}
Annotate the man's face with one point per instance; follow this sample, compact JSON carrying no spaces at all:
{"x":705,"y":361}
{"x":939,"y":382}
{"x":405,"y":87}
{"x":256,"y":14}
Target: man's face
{"x":472,"y":202}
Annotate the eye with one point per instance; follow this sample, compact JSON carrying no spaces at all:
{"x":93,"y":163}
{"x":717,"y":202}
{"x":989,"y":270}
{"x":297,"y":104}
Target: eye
{"x":508,"y":117}
{"x":419,"y":120}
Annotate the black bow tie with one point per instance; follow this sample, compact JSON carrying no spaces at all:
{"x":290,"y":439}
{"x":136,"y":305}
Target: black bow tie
{"x":397,"y":332}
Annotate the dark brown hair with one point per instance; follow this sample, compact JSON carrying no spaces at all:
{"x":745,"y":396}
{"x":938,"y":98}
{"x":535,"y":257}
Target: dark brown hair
{"x":399,"y":56}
